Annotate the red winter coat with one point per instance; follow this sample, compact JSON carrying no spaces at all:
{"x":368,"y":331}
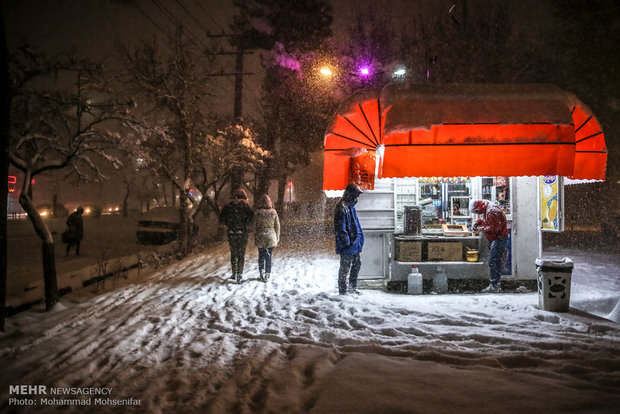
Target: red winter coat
{"x":493,"y":222}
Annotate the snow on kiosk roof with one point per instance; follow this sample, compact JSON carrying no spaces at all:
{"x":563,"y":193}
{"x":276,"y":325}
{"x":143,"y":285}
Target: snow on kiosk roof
{"x":448,"y":130}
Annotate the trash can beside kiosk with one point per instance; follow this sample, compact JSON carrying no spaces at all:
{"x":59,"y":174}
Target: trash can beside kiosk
{"x":554,"y":279}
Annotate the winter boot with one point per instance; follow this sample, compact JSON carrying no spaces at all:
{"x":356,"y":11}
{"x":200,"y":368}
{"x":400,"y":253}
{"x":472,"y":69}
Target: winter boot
{"x":492,"y":289}
{"x":353,"y":290}
{"x":261,"y":275}
{"x":267,"y":276}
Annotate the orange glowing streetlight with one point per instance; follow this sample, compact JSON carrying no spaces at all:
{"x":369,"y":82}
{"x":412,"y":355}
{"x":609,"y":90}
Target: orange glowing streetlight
{"x":325,"y":71}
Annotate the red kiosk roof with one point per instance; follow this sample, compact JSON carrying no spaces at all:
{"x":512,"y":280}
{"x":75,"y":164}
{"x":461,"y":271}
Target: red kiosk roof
{"x":465,"y":130}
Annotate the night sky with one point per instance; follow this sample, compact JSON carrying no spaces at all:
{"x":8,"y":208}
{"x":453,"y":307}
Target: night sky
{"x":92,"y":27}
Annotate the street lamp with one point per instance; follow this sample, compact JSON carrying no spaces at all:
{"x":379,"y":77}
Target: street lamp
{"x":399,"y":73}
{"x":366,"y":73}
{"x":325,"y":71}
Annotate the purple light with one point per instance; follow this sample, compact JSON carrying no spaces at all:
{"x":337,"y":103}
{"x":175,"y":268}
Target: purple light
{"x":364,"y":71}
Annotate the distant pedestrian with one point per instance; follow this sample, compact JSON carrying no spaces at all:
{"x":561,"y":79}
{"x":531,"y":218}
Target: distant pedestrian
{"x":494,"y":226}
{"x":237,"y":215}
{"x":74,"y":232}
{"x":266,"y":234}
{"x":349,"y":239}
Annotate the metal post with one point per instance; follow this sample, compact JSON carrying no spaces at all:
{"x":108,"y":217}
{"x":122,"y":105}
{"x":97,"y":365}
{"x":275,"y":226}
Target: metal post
{"x":538,"y":217}
{"x":238,"y":108}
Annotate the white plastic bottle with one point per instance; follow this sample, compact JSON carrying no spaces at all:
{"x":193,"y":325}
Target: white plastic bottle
{"x":414,"y":281}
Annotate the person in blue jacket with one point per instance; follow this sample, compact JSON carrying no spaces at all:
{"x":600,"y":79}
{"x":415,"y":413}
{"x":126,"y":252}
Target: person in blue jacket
{"x":349,"y":239}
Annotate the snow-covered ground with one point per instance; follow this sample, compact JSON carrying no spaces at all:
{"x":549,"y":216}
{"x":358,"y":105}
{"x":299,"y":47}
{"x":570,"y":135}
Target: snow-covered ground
{"x":184,"y":339}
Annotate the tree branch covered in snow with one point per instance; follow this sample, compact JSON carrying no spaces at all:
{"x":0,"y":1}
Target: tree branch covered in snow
{"x":62,"y":116}
{"x":229,"y":148}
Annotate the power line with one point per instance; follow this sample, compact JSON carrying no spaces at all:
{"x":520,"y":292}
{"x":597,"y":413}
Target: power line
{"x":238,"y":73}
{"x":191,"y":15}
{"x":208,"y":15}
{"x":149,"y":19}
{"x":251,"y":90}
{"x":176,"y":21}
{"x":161,"y":29}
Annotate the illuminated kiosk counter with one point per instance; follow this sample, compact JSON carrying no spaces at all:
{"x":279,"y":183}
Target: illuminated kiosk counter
{"x":436,"y":254}
{"x":389,"y":253}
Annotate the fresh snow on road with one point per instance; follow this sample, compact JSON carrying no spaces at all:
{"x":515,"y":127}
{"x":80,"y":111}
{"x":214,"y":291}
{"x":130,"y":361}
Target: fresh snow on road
{"x":185,"y":339}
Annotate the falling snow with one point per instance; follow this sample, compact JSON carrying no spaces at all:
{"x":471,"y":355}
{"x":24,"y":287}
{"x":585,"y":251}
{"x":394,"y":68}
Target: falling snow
{"x":184,"y":338}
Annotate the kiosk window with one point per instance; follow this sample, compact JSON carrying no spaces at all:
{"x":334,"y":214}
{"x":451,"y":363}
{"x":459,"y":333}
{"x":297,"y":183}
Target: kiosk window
{"x":445,"y":200}
{"x":497,"y":190}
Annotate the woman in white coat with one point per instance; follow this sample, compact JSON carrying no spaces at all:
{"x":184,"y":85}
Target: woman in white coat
{"x":266,"y":234}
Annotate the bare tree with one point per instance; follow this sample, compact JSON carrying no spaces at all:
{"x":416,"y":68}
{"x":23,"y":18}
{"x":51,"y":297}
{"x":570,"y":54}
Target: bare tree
{"x":171,"y":88}
{"x":221,"y":154}
{"x":293,"y":114}
{"x":60,"y":115}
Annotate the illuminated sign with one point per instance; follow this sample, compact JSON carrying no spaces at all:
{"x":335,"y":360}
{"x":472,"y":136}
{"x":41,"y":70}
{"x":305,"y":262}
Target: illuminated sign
{"x":12,"y":182}
{"x":551,"y":213}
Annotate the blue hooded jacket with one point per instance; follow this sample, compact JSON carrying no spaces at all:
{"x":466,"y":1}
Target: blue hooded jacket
{"x":347,"y":228}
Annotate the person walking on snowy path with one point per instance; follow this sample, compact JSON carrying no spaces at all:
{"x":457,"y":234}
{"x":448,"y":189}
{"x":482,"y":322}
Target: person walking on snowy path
{"x":493,"y":224}
{"x":237,"y":215}
{"x":74,"y":233}
{"x":349,"y":239}
{"x":266,"y":234}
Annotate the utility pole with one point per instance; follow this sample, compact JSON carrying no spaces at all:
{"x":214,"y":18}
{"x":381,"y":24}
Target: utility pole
{"x":236,"y":179}
{"x":238,"y":109}
{"x":238,"y":74}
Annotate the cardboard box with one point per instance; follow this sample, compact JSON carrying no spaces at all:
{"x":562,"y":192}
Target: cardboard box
{"x":445,"y":251}
{"x":408,"y":251}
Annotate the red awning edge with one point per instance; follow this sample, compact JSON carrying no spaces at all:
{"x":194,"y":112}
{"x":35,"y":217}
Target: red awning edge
{"x":465,"y":130}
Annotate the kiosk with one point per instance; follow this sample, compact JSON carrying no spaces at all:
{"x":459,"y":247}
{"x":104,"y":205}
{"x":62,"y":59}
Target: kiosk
{"x":429,"y":149}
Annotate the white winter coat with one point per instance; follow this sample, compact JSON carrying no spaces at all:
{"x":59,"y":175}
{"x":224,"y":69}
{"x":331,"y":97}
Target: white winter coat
{"x":266,"y":228}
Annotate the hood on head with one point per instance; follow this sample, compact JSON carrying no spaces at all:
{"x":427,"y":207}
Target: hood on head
{"x":352,"y":191}
{"x":478,"y":206}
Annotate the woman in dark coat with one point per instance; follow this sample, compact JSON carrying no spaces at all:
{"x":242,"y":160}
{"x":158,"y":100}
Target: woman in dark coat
{"x":75,"y":231}
{"x":266,"y":234}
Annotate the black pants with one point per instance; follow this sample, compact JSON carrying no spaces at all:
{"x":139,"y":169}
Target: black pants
{"x":75,"y":243}
{"x":237,"y":243}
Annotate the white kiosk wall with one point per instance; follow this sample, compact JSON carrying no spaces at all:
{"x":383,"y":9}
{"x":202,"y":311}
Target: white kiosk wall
{"x":524,"y":231}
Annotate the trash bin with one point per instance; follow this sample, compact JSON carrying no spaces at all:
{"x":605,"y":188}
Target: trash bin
{"x":554,"y":278}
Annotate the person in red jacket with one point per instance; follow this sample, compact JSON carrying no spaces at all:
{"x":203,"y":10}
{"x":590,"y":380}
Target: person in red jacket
{"x":494,"y":226}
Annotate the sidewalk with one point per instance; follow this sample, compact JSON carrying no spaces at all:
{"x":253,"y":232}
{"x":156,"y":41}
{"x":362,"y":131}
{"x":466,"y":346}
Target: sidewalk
{"x":109,"y":244}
